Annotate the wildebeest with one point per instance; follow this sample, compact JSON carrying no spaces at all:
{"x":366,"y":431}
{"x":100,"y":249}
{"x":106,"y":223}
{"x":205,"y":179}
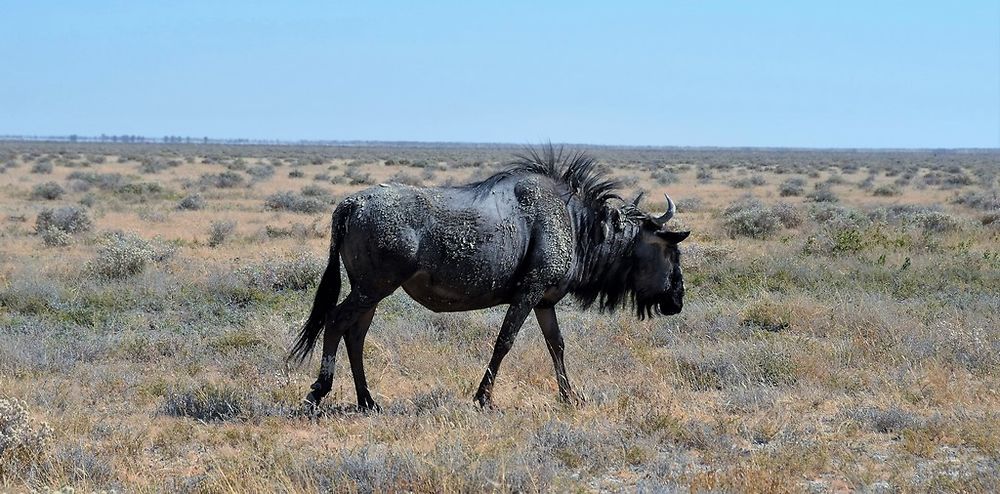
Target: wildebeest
{"x":548,"y":226}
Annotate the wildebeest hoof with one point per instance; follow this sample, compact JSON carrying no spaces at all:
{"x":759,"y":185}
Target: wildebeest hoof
{"x":574,"y":399}
{"x":310,"y":405}
{"x":484,"y":401}
{"x":369,"y":407}
{"x":311,"y":400}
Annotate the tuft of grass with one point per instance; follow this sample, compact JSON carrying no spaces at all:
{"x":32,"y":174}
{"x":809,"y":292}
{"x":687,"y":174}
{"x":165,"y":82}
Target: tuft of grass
{"x":219,"y":231}
{"x":884,"y":420}
{"x":739,"y":364}
{"x":208,"y":403}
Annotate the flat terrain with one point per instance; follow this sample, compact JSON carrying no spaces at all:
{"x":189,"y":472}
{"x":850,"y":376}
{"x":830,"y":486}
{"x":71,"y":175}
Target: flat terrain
{"x":841,"y":330}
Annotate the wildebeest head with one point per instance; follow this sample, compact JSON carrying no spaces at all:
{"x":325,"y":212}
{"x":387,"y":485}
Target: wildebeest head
{"x":657,"y":278}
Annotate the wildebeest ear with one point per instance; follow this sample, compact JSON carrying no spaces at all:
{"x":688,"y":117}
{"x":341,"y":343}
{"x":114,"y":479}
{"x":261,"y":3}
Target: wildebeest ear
{"x":673,"y":237}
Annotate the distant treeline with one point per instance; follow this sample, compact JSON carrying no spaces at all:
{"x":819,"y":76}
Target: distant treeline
{"x":138,"y":139}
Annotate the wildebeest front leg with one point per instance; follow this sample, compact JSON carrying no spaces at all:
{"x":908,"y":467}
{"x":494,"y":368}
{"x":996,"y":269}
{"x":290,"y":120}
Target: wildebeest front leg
{"x":546,"y":316}
{"x":512,"y":322}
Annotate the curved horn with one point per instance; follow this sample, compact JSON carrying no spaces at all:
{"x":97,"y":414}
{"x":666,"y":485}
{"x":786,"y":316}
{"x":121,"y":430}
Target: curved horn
{"x":635,"y":202}
{"x":671,"y":209}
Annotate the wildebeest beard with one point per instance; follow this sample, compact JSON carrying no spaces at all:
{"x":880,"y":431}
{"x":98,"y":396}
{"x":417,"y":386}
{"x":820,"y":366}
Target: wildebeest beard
{"x":605,"y":267}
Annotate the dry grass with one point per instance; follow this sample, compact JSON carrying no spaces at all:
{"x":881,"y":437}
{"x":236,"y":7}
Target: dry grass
{"x":854,"y":346}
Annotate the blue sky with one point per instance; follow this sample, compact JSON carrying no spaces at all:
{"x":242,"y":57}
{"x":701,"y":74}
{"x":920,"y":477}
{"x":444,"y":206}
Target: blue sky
{"x":692,"y":73}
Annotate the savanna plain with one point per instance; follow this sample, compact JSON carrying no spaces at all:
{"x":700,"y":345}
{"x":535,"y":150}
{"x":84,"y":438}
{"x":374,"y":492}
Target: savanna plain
{"x":841,"y":330}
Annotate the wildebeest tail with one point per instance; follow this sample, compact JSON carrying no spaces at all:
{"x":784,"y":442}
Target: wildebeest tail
{"x":326,"y":294}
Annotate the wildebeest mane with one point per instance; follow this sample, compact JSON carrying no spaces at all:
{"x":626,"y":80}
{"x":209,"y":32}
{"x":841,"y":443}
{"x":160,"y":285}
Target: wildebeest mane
{"x":606,"y":226}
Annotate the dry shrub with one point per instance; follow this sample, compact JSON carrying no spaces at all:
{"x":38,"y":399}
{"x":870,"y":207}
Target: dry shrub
{"x":219,"y":231}
{"x":194,"y":202}
{"x":49,"y":191}
{"x":298,"y":203}
{"x":122,"y":255}
{"x":297,"y":271}
{"x":748,"y":217}
{"x":42,"y":167}
{"x":70,"y":219}
{"x":22,"y":441}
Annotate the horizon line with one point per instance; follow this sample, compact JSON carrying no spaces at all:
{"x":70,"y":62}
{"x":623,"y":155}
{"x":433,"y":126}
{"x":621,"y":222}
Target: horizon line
{"x":135,"y":139}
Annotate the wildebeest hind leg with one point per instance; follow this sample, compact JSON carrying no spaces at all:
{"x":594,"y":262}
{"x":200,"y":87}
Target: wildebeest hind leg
{"x":512,"y":322}
{"x":344,"y":317}
{"x":332,"y":334}
{"x":546,"y":316}
{"x":355,"y":353}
